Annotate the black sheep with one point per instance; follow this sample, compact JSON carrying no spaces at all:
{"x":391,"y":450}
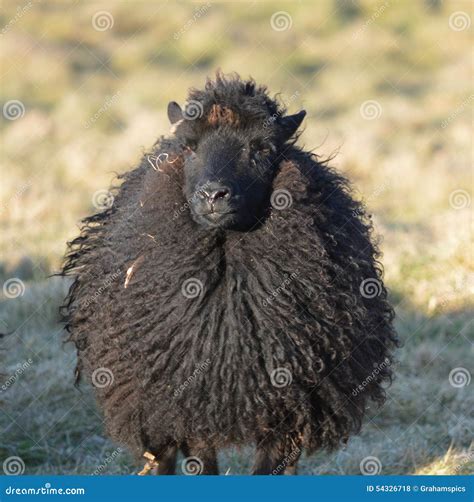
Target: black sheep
{"x":231,"y":294}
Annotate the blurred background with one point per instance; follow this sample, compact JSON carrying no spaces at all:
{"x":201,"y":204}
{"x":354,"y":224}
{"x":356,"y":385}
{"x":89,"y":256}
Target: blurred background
{"x":387,"y":86}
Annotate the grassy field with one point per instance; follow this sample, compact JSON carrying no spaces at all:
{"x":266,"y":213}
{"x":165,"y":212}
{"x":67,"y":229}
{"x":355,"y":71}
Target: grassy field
{"x":387,"y":86}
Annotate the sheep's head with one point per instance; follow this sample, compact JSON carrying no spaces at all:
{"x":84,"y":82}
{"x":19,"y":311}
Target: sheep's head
{"x":233,"y":138}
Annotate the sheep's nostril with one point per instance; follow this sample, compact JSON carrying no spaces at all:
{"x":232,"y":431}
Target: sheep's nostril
{"x":218,"y":193}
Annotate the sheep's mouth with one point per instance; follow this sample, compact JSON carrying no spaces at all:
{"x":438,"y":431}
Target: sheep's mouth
{"x":218,"y":218}
{"x":216,"y":214}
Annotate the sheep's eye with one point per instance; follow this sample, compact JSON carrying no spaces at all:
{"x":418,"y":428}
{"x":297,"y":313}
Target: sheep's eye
{"x":259,"y":149}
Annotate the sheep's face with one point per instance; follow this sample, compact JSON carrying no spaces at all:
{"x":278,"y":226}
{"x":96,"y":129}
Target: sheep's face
{"x":228,"y":177}
{"x":229,"y":169}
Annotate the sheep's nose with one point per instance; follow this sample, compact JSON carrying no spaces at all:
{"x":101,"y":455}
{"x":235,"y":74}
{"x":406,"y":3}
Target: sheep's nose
{"x":214,"y":192}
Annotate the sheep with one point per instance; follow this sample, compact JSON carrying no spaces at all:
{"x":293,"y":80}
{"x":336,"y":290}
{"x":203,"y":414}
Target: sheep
{"x":232,"y":294}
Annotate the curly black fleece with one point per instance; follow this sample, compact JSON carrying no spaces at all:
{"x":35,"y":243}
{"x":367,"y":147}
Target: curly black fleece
{"x":285,"y":295}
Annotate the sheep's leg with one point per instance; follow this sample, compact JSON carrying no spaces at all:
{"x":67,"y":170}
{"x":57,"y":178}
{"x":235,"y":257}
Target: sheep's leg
{"x":267,"y":459}
{"x":276,"y":456}
{"x":199,"y":459}
{"x":167,"y":461}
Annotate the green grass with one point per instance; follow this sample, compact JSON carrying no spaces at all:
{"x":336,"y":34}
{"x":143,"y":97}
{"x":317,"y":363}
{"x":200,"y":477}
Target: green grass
{"x":94,"y":99}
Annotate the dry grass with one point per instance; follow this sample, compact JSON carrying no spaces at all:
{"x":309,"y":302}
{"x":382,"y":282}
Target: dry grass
{"x":94,"y":99}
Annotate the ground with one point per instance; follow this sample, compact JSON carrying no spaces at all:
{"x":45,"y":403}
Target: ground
{"x":387,"y":89}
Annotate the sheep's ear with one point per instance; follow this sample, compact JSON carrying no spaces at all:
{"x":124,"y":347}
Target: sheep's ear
{"x":290,"y":123}
{"x":174,"y":112}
